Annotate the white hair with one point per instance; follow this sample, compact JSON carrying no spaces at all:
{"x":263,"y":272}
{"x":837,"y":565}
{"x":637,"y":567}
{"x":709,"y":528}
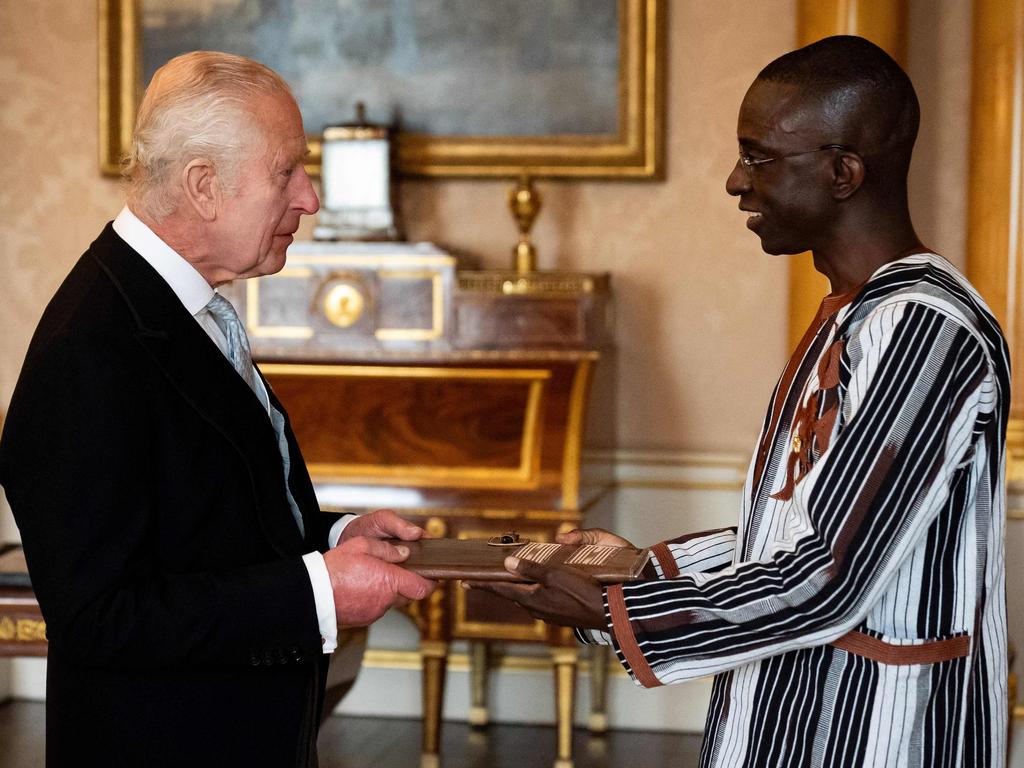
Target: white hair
{"x":198,"y":105}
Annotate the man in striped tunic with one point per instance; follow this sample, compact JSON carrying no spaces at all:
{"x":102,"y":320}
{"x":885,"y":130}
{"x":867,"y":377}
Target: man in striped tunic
{"x":856,"y":614}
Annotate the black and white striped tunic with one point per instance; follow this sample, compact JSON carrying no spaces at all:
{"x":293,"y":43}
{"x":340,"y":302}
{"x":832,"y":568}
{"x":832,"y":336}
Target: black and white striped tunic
{"x":856,"y":615}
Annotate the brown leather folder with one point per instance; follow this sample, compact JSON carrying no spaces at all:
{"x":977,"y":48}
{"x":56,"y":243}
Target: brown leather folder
{"x":477,"y":560}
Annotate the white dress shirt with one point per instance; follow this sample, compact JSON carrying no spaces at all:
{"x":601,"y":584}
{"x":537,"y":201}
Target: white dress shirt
{"x":195,"y":293}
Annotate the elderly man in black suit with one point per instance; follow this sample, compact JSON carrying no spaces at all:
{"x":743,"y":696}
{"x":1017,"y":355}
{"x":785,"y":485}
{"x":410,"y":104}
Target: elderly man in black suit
{"x":191,"y":586}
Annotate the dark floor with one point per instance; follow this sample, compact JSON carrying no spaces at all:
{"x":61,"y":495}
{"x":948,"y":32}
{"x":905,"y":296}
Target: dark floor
{"x":362,"y":742}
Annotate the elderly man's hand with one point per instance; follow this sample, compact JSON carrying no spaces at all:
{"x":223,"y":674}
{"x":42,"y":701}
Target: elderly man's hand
{"x":383,"y":524}
{"x":366,"y":581}
{"x":561,"y":595}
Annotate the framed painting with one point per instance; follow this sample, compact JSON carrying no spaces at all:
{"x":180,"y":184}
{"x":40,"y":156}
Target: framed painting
{"x":546,"y":87}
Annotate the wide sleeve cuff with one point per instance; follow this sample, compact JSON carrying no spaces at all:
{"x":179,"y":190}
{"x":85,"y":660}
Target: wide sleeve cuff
{"x":625,"y":640}
{"x":703,"y":552}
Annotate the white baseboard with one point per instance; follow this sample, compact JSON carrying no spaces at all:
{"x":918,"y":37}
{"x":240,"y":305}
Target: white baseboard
{"x":27,"y":679}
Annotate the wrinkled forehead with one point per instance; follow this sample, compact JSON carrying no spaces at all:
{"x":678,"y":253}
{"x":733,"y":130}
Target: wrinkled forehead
{"x":784,"y":116}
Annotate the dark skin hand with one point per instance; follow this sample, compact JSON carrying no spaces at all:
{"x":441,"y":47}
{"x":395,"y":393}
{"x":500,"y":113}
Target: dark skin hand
{"x":559,"y":595}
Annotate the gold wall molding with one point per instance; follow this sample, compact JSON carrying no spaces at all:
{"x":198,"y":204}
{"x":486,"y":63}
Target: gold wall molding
{"x":884,"y":22}
{"x":667,"y":470}
{"x":679,"y":485}
{"x":995,"y":208}
{"x":697,"y":471}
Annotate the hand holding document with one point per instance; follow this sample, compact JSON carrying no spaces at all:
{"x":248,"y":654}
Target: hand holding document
{"x":383,"y":524}
{"x":367,"y":582}
{"x":557,"y":582}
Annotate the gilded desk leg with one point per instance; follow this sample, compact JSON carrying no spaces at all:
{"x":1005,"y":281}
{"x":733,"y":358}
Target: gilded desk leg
{"x":565,"y":690}
{"x":598,"y":721}
{"x":434,"y":649}
{"x":435,"y":632}
{"x":478,"y":670}
{"x":435,"y":664}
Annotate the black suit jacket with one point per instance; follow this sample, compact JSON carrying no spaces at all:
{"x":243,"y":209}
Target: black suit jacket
{"x":147,"y":483}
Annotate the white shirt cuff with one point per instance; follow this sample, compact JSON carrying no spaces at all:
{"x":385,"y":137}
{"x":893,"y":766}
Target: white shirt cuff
{"x":323,"y":596}
{"x":334,"y":535}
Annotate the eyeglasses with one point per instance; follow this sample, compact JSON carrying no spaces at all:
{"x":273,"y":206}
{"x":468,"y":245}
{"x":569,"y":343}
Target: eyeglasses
{"x":753,"y":162}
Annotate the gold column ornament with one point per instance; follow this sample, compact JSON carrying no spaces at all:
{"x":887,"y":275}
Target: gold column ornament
{"x":524,"y":201}
{"x":883,"y":22}
{"x":995,"y":209}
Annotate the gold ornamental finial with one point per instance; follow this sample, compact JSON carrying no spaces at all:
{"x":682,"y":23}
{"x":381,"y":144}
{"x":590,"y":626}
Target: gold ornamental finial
{"x":524,"y":201}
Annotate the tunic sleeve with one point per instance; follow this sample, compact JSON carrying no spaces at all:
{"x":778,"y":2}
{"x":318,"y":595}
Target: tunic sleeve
{"x":695,"y":552}
{"x":918,"y":389}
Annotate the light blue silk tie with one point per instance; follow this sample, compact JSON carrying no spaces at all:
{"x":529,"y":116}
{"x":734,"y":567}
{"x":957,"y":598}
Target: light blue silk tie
{"x":240,"y":355}
{"x":238,"y":351}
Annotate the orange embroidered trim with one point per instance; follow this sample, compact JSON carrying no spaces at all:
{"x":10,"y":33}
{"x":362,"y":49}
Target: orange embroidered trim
{"x":626,"y":639}
{"x":668,"y":563}
{"x":830,"y":305}
{"x":811,"y":433}
{"x":929,"y":652}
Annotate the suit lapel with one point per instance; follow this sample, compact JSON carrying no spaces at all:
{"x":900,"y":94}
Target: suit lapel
{"x":196,"y":368}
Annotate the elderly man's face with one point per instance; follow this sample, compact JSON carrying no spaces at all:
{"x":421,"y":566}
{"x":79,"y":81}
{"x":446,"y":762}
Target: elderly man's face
{"x":256,"y":224}
{"x":788,"y":198}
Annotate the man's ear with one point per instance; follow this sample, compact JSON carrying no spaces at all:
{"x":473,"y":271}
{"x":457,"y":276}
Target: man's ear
{"x":202,"y":189}
{"x":848,"y":172}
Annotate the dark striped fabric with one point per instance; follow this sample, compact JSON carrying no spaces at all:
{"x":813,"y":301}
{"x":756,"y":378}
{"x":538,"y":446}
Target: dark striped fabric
{"x":874,"y":505}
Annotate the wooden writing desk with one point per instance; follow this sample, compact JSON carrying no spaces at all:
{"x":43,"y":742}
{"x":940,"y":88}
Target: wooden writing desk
{"x":457,"y":398}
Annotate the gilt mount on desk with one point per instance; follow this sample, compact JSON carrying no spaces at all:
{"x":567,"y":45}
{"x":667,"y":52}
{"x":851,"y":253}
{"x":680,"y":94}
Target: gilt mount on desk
{"x":402,"y":300}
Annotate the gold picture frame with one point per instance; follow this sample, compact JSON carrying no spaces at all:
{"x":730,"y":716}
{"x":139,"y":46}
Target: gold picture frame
{"x":635,"y":151}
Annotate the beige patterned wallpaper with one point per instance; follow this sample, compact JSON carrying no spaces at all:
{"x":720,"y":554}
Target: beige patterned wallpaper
{"x":700,"y":311}
{"x":52,"y":200}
